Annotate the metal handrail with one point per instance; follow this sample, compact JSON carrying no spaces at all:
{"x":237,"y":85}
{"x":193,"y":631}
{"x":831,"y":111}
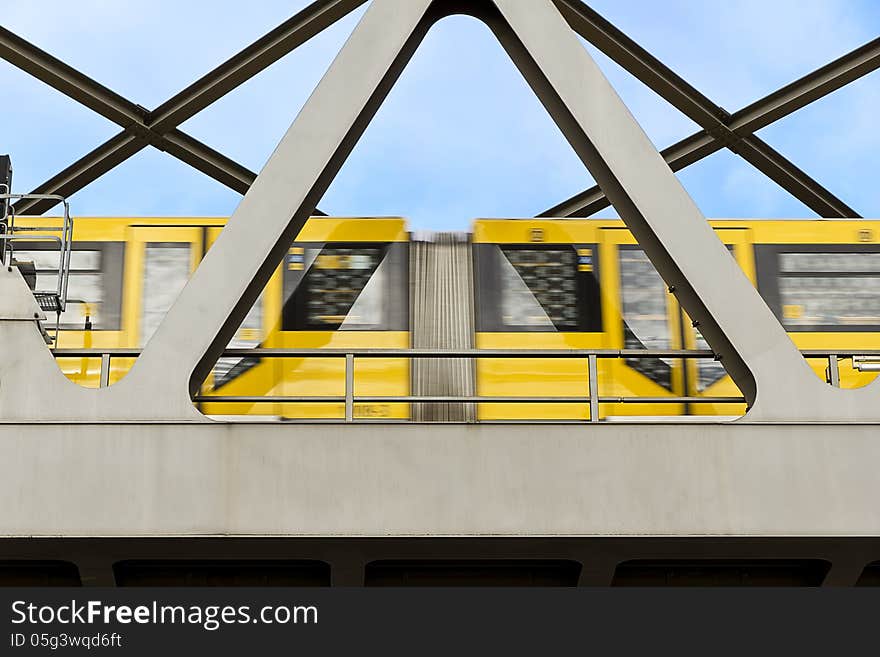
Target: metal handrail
{"x":64,"y":250}
{"x":269,"y":352}
{"x":349,"y":399}
{"x":866,"y":363}
{"x":410,"y":399}
{"x":6,"y":238}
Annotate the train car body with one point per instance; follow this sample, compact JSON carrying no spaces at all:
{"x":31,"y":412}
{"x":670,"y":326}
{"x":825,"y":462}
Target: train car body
{"x":577,"y":284}
{"x":523,"y":284}
{"x":342,"y":285}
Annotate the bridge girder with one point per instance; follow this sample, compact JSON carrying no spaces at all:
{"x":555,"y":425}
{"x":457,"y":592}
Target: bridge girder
{"x":376,"y":479}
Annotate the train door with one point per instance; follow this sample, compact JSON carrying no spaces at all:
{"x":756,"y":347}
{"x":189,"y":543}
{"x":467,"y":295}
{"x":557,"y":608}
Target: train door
{"x":248,"y":376}
{"x":344,"y":286}
{"x":161,"y":260}
{"x":537,"y":287}
{"x":706,"y":377}
{"x":640,"y":313}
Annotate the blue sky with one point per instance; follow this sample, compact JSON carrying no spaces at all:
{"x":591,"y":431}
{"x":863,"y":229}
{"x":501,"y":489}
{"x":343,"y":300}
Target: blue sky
{"x":461,"y":135}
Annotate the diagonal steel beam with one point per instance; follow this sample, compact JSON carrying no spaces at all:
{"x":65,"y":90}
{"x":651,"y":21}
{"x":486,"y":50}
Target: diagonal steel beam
{"x":111,"y":153}
{"x":208,"y":161}
{"x":256,"y":57}
{"x":120,"y":148}
{"x":69,"y":81}
{"x":586,"y":22}
{"x":720,"y":129}
{"x":805,"y":90}
{"x":131,"y":117}
{"x":159,"y":128}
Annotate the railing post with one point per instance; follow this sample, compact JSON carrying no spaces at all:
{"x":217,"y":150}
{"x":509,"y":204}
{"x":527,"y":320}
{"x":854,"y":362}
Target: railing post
{"x":833,"y":371}
{"x":349,"y":387}
{"x":593,"y":381}
{"x":105,"y":371}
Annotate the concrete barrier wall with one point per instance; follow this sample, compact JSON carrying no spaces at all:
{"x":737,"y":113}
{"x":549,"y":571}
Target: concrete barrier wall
{"x":468,"y":480}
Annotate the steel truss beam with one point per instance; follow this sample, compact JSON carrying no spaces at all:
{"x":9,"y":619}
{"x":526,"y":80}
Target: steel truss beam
{"x":748,"y":339}
{"x":136,"y":135}
{"x":720,"y":128}
{"x":158,"y":128}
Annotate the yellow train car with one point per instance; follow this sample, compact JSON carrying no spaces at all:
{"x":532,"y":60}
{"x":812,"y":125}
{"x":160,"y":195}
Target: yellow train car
{"x":532,"y":284}
{"x":350,"y":282}
{"x":822,"y":281}
{"x":124,"y":275}
{"x":342,"y":285}
{"x":586,"y":284}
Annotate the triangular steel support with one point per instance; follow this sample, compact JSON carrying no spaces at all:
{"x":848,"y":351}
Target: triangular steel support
{"x":752,"y":345}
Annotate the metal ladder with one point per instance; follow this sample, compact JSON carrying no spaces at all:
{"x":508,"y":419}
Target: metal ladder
{"x":53,"y":299}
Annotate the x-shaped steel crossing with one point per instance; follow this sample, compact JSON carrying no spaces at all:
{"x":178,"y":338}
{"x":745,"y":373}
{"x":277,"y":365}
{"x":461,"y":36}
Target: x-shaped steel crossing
{"x":159,"y":127}
{"x":720,"y":129}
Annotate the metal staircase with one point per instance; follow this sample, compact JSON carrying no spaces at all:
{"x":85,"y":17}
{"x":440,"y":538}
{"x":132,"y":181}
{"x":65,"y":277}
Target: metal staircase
{"x":50,"y":292}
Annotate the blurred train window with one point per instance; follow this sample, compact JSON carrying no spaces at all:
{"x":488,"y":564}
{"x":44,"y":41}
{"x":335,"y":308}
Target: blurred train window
{"x":94,"y":288}
{"x":337,"y":287}
{"x":721,"y":572}
{"x":160,"y":572}
{"x":537,"y":288}
{"x":870,"y":575}
{"x":166,"y":270}
{"x":829,"y":263}
{"x":39,"y":573}
{"x":827,"y":290}
{"x":708,"y":371}
{"x":644,"y":312}
{"x":513,"y":572}
{"x":248,"y":336}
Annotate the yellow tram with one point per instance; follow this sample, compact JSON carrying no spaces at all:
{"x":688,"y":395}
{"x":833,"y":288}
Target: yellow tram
{"x":340,"y":286}
{"x":566,"y":284}
{"x":346,"y":283}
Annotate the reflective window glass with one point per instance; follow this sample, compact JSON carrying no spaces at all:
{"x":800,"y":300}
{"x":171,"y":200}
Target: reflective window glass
{"x":830,"y":300}
{"x":248,"y":336}
{"x":166,"y":270}
{"x":643,"y":307}
{"x":829,"y":289}
{"x":708,"y":370}
{"x":335,"y":282}
{"x":339,"y":288}
{"x":539,"y":288}
{"x":91,"y":296}
{"x":85,"y":297}
{"x":825,"y":263}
